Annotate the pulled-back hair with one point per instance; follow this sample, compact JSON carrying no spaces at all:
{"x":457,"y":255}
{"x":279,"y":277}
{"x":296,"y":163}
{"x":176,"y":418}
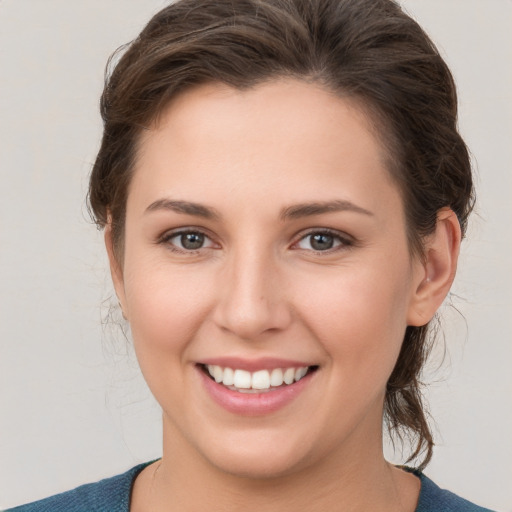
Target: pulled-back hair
{"x":369,"y":51}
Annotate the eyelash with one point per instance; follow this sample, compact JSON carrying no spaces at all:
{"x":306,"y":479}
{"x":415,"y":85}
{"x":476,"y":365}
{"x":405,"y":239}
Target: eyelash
{"x":344,"y":242}
{"x":167,"y":237}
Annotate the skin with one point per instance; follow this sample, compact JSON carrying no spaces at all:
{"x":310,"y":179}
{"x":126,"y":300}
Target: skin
{"x":257,"y":288}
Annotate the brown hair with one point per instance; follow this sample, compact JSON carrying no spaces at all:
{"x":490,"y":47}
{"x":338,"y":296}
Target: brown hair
{"x":368,"y":50}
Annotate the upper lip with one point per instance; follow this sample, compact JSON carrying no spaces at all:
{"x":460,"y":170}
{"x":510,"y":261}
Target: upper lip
{"x":252,"y":365}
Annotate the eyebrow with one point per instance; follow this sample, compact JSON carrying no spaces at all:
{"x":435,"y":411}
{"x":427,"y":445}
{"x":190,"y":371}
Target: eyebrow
{"x":186,"y":207}
{"x":317,"y":208}
{"x":290,"y":212}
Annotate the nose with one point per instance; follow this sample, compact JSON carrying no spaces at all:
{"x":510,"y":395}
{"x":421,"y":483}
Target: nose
{"x":252,"y":297}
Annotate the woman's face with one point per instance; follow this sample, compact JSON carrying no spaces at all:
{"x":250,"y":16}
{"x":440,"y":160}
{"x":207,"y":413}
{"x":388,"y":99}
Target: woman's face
{"x":264,"y":238}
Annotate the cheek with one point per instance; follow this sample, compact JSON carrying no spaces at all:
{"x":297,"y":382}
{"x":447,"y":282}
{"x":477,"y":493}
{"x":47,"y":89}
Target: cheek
{"x":360,"y":318}
{"x":165,"y":307}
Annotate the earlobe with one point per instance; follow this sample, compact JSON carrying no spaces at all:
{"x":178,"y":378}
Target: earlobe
{"x":436,"y":272}
{"x":116,"y":270}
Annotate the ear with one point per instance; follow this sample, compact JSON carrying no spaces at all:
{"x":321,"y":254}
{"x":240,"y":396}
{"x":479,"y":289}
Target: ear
{"x":434,"y":275}
{"x":116,"y":269}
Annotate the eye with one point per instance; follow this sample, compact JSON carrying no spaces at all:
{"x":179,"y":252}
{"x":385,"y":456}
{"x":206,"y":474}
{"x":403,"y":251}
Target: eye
{"x":184,"y":241}
{"x":322,"y":241}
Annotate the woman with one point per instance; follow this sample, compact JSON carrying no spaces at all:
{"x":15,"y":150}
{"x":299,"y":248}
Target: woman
{"x":283,"y":192}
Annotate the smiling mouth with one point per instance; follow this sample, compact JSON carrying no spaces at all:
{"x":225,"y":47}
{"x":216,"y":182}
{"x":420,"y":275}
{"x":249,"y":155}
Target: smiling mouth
{"x":261,"y":381}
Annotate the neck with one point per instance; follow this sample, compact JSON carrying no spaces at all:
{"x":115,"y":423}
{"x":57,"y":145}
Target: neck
{"x":353,"y":479}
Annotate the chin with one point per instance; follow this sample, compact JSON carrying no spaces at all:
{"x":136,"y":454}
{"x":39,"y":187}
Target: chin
{"x":261,"y":457}
{"x":259,"y":466}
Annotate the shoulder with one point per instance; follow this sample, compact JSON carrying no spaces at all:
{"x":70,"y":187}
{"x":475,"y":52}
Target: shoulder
{"x":108,"y":495}
{"x":434,"y":499}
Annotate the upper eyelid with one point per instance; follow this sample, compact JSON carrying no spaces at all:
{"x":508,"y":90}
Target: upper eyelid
{"x":347,"y":241}
{"x":170,"y":233}
{"x":167,"y":236}
{"x":333,"y":232}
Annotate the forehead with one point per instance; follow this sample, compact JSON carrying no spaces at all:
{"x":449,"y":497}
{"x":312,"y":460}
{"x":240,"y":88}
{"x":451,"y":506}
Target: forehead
{"x":281,"y":137}
{"x":295,"y":106}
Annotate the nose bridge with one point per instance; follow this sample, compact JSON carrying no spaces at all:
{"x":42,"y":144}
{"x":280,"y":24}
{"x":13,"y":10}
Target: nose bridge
{"x":253,"y":299}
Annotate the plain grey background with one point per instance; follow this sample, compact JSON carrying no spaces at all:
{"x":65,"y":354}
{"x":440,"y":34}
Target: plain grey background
{"x":73,"y":407}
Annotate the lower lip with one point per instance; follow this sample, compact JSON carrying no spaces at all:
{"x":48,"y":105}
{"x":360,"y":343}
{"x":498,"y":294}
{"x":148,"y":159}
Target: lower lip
{"x":253,"y":404}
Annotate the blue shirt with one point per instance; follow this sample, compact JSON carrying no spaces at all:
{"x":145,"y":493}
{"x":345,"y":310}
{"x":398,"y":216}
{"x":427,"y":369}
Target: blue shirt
{"x":113,"y":495}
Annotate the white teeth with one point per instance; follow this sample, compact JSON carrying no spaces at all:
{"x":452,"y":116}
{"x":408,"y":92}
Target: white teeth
{"x":289,"y":375}
{"x":242,"y":379}
{"x":260,"y":380}
{"x":300,"y":372}
{"x":276,"y":377}
{"x":218,"y":374}
{"x":229,"y":377}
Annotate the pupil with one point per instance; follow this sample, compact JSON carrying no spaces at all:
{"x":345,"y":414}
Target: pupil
{"x":321,"y":242}
{"x":192,"y":240}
